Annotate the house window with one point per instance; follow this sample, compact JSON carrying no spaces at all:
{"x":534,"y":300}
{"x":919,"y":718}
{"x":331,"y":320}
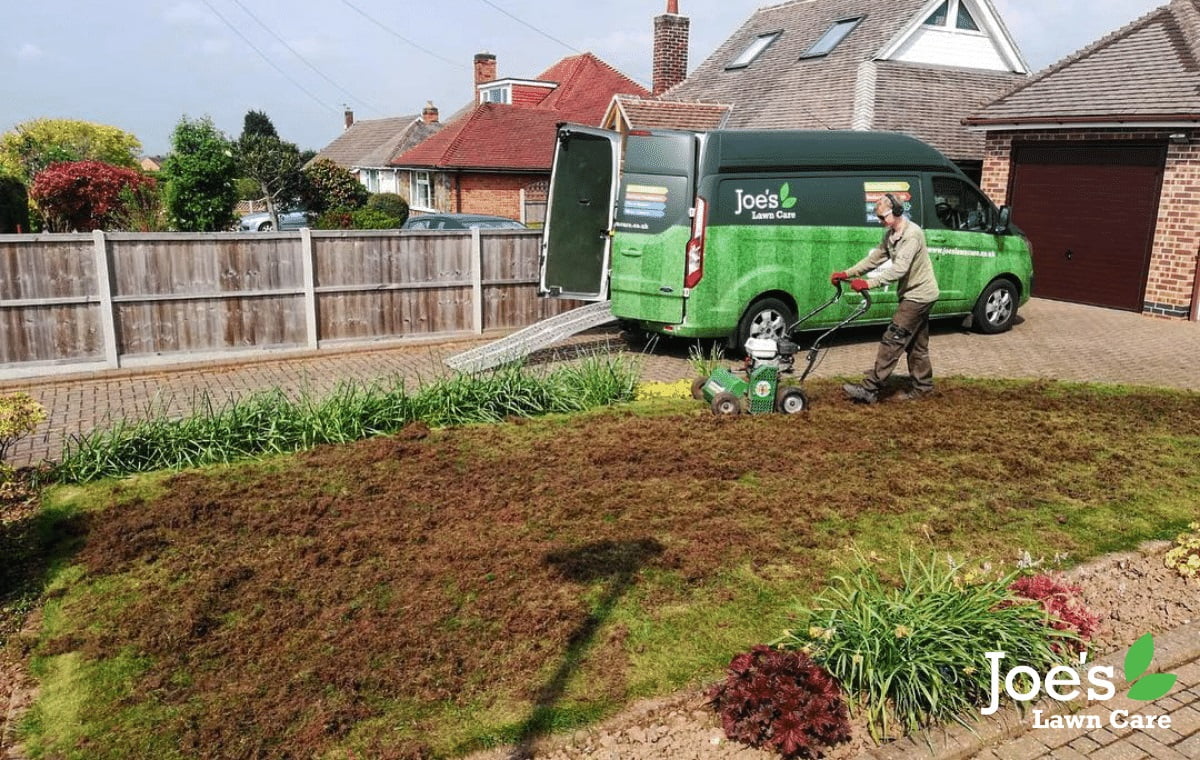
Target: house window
{"x":495,"y":95}
{"x":753,"y":50}
{"x":422,"y":190}
{"x":832,"y":36}
{"x":953,"y":9}
{"x":373,"y":180}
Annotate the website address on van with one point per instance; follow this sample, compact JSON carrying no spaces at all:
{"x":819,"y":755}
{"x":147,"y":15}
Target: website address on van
{"x":961,"y":252}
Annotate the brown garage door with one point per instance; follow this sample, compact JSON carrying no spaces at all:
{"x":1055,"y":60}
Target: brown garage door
{"x":1090,"y":211}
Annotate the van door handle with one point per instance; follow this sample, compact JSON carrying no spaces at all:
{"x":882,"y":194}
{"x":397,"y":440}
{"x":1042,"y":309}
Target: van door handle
{"x":1070,"y":254}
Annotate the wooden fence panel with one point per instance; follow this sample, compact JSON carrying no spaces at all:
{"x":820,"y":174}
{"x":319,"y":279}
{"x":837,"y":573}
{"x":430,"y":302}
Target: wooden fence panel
{"x":384,"y":285}
{"x":189,"y":294}
{"x":49,"y":309}
{"x":511,"y":272}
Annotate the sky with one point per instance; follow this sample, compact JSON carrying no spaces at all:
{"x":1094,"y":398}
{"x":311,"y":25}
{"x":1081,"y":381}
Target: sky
{"x":142,"y":66}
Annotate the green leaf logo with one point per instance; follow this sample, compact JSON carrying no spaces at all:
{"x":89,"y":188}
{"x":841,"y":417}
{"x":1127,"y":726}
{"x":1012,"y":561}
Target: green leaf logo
{"x":785,"y":196}
{"x":1146,"y":688}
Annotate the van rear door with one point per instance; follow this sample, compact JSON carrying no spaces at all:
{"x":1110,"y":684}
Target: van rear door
{"x":577,"y":238}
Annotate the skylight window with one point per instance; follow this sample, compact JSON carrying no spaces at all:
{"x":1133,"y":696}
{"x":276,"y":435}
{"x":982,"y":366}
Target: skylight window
{"x":956,"y":9}
{"x":832,"y":36}
{"x":754,"y":50}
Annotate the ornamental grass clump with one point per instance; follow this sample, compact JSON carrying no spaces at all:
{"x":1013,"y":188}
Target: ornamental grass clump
{"x":782,"y":701}
{"x":271,"y":422}
{"x":912,"y":654}
{"x":1184,"y":555}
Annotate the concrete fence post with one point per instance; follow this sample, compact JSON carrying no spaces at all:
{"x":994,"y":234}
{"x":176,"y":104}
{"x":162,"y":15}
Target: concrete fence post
{"x":476,"y":281}
{"x":104,"y":288}
{"x":308,"y":264}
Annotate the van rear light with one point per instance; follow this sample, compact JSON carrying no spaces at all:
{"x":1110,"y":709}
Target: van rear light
{"x":694,"y":265}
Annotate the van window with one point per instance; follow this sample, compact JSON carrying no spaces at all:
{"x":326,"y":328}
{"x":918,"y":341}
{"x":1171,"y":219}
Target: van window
{"x":656,"y":185}
{"x":958,"y":206}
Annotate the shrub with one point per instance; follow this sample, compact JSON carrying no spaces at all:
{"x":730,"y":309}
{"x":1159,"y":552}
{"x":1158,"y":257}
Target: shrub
{"x":914,"y":654}
{"x":329,"y":186}
{"x":84,"y":195}
{"x":391,"y":204}
{"x":200,"y":172}
{"x":1061,"y":602}
{"x":335,"y":219}
{"x":19,"y":415}
{"x":14,"y":205}
{"x":781,"y":700}
{"x":374,"y":219}
{"x":1184,"y":556}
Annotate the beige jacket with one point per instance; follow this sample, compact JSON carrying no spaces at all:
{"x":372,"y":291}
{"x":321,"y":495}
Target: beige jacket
{"x":911,"y":266}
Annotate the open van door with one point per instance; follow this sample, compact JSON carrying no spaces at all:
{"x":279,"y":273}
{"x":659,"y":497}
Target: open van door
{"x":577,"y":238}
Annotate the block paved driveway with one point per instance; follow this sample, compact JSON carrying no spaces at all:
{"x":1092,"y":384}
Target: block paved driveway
{"x":1052,"y":340}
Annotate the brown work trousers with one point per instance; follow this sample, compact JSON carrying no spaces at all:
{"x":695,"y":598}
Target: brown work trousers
{"x":908,"y":333}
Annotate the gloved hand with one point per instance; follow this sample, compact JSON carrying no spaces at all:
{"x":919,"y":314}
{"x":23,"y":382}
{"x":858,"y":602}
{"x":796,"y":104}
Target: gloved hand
{"x":859,"y":285}
{"x":837,"y":277}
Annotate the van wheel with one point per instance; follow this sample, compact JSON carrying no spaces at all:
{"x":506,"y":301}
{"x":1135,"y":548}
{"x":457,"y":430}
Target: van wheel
{"x":768,"y":318}
{"x":996,"y":309}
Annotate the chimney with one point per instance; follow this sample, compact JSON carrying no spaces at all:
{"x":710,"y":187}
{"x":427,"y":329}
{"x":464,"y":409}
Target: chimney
{"x":430,"y":114}
{"x":670,"y":48}
{"x":485,"y":69}
{"x":349,"y":116}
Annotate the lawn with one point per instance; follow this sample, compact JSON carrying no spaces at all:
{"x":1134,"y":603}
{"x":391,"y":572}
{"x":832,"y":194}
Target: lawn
{"x":437,"y":591}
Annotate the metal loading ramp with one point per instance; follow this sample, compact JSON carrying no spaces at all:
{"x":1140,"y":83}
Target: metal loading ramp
{"x":537,"y":336}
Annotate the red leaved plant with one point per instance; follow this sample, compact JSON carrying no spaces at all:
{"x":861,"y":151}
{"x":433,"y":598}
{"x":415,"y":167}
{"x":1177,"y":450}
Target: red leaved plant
{"x":781,"y":700}
{"x":1061,"y":601}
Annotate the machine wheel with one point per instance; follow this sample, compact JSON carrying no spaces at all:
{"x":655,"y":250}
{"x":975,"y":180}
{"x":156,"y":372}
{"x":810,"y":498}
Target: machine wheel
{"x":790,"y":400}
{"x":698,"y":388}
{"x":996,"y":309}
{"x":726,"y":403}
{"x":768,"y":318}
{"x":265,"y":227}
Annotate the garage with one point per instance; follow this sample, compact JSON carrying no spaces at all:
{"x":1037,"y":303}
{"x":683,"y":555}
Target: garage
{"x":1090,"y":211}
{"x":1099,"y":158}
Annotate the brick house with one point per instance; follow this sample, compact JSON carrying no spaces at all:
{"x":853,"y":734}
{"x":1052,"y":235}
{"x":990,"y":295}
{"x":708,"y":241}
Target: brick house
{"x":366,"y":147}
{"x":913,"y":66}
{"x":494,"y":157}
{"x":1099,"y":157}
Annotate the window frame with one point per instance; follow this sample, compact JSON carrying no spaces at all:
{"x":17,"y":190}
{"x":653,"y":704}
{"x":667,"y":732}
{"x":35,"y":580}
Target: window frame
{"x":504,"y":90}
{"x":421,"y":187}
{"x":954,"y":9}
{"x":750,"y":54}
{"x":850,"y":23}
{"x":966,"y":192}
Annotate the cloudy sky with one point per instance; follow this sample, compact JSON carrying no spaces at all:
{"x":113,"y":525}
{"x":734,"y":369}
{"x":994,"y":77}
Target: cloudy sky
{"x":141,"y":65}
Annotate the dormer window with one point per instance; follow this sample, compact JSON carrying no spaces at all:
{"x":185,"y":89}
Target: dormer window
{"x":502,"y":94}
{"x":754,"y":50}
{"x":953,"y":14}
{"x":832,"y":37}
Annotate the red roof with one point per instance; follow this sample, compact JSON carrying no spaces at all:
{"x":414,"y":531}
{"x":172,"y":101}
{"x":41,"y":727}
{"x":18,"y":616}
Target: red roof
{"x":506,"y":137}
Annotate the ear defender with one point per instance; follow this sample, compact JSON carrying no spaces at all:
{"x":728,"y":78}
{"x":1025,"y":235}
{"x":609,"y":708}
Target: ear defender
{"x":897,"y":206}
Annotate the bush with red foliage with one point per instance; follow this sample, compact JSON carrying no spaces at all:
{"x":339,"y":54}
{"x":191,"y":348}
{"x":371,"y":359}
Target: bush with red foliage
{"x":1061,"y":601}
{"x":782,"y":700}
{"x":83,"y":195}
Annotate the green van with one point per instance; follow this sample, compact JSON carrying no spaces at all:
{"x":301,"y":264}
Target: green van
{"x":733,"y":233}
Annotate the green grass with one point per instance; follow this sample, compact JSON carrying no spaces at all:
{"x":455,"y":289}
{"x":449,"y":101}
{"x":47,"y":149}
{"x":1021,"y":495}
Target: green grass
{"x":1078,"y":470}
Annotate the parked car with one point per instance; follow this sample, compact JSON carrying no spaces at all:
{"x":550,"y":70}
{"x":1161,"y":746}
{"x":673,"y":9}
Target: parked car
{"x":261,"y":222}
{"x":461,"y":222}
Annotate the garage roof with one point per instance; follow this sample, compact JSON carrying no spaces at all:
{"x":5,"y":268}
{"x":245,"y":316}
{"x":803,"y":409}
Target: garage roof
{"x":1145,"y":72}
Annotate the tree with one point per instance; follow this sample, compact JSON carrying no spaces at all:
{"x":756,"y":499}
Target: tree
{"x":275,"y":166}
{"x":84,"y":195}
{"x":258,"y":123}
{"x":33,"y":145}
{"x":200,"y":172}
{"x":329,"y":186}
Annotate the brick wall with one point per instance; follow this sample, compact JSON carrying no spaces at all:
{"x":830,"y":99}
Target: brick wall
{"x":1175,"y":254}
{"x":498,"y":194}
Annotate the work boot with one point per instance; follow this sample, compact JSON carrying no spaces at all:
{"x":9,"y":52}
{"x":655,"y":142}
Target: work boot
{"x":912,"y":395}
{"x":860,"y":393}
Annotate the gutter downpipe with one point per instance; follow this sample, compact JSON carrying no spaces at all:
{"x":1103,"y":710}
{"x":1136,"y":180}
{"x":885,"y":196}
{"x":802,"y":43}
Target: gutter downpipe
{"x":1195,"y":308}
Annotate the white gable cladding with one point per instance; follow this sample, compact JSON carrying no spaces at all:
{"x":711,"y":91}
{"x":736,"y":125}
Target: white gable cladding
{"x":945,"y":47}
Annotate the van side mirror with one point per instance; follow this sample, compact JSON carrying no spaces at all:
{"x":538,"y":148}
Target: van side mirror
{"x":1005,"y":219}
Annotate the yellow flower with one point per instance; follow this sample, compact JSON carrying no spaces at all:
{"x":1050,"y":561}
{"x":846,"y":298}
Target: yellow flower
{"x":969,"y":670}
{"x":815,"y":632}
{"x":856,"y":659}
{"x":903,"y":632}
